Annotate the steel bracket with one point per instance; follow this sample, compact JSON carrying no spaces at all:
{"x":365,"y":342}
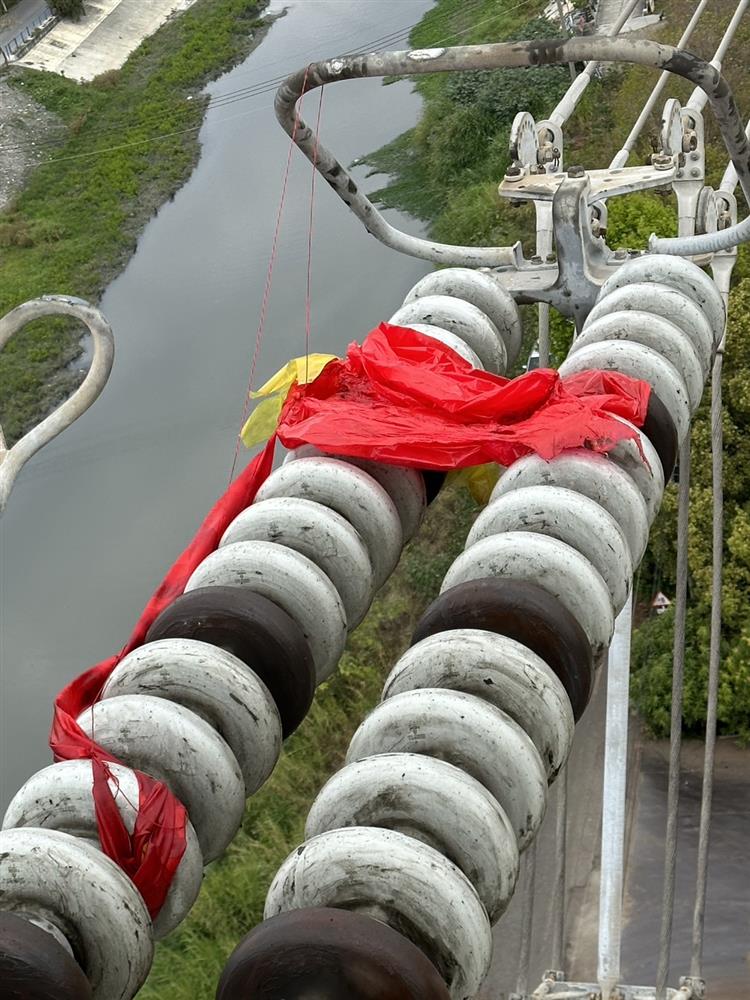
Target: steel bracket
{"x":605,"y":183}
{"x":558,"y":989}
{"x":690,"y":178}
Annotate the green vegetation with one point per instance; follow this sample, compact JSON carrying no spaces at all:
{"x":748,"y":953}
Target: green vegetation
{"x":189,"y":963}
{"x":78,"y":219}
{"x":68,"y":8}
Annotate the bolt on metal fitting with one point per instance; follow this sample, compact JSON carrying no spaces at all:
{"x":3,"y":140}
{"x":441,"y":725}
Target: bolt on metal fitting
{"x":661,"y":161}
{"x":513,"y":173}
{"x":576,"y":171}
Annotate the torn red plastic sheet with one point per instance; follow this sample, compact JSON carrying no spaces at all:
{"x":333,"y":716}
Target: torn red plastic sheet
{"x":405,"y":398}
{"x":402,"y":398}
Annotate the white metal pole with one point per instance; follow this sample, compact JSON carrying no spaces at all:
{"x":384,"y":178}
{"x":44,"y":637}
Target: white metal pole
{"x":613,"y":803}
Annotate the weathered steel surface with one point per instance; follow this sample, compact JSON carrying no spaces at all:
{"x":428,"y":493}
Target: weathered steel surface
{"x":13,"y":460}
{"x":462,"y":318}
{"x":290,"y":580}
{"x":215,"y":685}
{"x":34,"y":966}
{"x":469,"y":733}
{"x":418,"y":795}
{"x":175,"y":746}
{"x":386,"y":873}
{"x":256,"y":631}
{"x":52,"y":877}
{"x":525,"y":612}
{"x":593,"y":476}
{"x":319,"y":533}
{"x":353,"y":494}
{"x":331,"y":953}
{"x":570,"y":517}
{"x":502,"y":672}
{"x":482,"y":290}
{"x":60,"y":797}
{"x":550,"y":563}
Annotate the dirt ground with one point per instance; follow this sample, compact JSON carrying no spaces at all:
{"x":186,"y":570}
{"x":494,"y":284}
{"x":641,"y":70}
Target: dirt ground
{"x":26,"y":129}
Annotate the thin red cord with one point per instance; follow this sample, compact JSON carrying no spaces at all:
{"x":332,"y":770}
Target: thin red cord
{"x":269,"y":277}
{"x":308,"y":294}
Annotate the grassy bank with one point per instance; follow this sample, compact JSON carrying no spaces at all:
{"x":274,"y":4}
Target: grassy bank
{"x":189,"y":963}
{"x":77,"y":220}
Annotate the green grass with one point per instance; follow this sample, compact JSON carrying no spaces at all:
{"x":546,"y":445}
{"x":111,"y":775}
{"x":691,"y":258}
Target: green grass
{"x":78,"y":218}
{"x":189,"y":963}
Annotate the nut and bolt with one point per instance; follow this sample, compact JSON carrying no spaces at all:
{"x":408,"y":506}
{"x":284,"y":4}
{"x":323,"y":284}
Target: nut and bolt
{"x":621,"y":253}
{"x":576,"y":172}
{"x":513,"y":173}
{"x":536,"y":259}
{"x":695,"y":172}
{"x":661,"y":161}
{"x":551,"y":258}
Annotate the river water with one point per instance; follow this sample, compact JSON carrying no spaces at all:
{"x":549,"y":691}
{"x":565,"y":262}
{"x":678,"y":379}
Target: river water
{"x":99,"y":515}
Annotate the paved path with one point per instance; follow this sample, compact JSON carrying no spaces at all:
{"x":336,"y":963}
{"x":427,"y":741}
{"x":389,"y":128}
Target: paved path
{"x":20,"y":16}
{"x":103,"y":39}
{"x":727,"y":941}
{"x":727,"y":951}
{"x":609,"y":10}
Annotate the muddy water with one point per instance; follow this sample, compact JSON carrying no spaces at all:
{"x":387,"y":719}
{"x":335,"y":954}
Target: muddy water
{"x":99,"y":515}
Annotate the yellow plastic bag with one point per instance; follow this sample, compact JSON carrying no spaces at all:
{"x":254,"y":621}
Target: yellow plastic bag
{"x":264,"y":418}
{"x":479,"y":480}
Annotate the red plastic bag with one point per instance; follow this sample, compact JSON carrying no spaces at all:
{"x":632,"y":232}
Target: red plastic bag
{"x":407,"y":399}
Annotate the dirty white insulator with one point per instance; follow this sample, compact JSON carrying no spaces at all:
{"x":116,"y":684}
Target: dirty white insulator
{"x":482,"y":290}
{"x":400,"y":881}
{"x":51,"y":877}
{"x":404,"y":486}
{"x":670,"y":304}
{"x":572,"y":518}
{"x":642,"y":464}
{"x":290,"y":580}
{"x":461,"y":318}
{"x":501,"y":671}
{"x":354,"y":495}
{"x":678,"y":273}
{"x":319,"y":533}
{"x":638,"y":362}
{"x":175,"y":746}
{"x":60,"y":797}
{"x":469,"y":733}
{"x":433,"y":801}
{"x":218,"y":687}
{"x":554,"y":565}
{"x":592,"y":475}
{"x":450,"y":340}
{"x":659,"y":334}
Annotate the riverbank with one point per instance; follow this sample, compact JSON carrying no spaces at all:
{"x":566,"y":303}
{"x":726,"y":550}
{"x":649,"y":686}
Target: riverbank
{"x":129,"y":140}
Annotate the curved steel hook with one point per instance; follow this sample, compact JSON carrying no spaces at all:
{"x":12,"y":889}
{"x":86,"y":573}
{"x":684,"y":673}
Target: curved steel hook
{"x":13,"y":459}
{"x":476,"y":57}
